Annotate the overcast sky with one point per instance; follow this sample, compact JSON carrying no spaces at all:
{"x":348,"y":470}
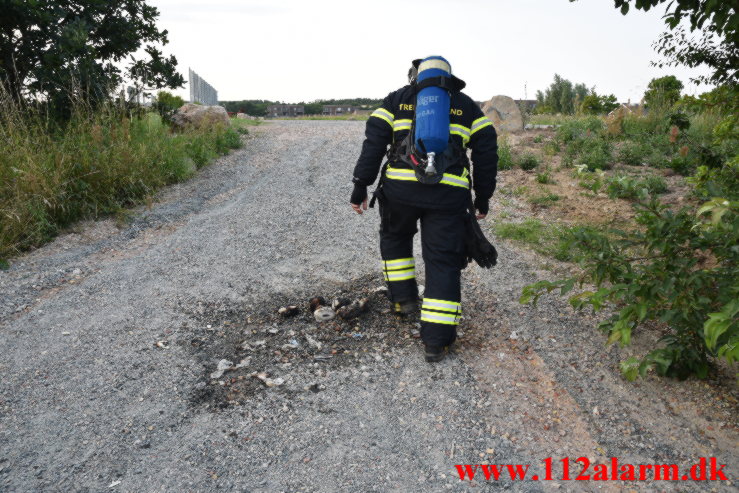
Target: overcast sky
{"x":295,"y":50}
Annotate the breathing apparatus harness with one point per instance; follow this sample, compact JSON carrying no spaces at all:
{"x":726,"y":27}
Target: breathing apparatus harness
{"x":429,"y":168}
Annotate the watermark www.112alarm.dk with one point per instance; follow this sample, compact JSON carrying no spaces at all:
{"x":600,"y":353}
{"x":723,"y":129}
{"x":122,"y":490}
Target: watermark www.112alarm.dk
{"x":581,"y":469}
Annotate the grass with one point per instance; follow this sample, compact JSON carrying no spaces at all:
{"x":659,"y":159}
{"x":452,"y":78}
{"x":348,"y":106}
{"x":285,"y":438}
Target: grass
{"x":545,"y":177}
{"x":553,"y":240}
{"x":505,"y":157}
{"x":245,"y":123}
{"x":544,"y":200}
{"x":53,"y":174}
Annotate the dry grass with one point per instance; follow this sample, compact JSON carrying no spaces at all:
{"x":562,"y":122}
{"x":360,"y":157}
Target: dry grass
{"x":52,"y":174}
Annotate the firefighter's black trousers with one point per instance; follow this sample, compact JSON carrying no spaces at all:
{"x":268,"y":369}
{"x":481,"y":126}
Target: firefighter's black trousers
{"x":442,"y":240}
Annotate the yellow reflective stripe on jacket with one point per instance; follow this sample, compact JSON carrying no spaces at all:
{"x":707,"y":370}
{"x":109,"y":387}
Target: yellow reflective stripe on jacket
{"x":401,"y":174}
{"x":400,"y":275}
{"x":384,"y":114}
{"x":405,"y":174}
{"x":399,"y":125}
{"x":480,"y":123}
{"x":455,"y":181}
{"x":461,"y":130}
{"x":439,"y":318}
{"x":442,"y":305}
{"x":399,"y":263}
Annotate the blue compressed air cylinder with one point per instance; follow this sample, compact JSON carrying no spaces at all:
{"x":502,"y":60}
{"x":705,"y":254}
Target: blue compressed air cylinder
{"x":432,"y":107}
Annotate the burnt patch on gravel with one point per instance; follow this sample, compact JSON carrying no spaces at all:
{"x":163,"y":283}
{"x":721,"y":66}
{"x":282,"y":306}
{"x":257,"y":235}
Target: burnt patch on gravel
{"x":261,"y":351}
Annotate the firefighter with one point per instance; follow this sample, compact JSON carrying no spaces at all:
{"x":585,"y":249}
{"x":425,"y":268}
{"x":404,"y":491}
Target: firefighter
{"x":441,"y":208}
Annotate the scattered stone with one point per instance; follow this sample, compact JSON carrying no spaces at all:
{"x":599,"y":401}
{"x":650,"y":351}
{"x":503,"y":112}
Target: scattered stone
{"x":324,"y":314}
{"x":223,"y":366}
{"x":514,"y":336}
{"x":313,"y":342}
{"x":269,"y":382}
{"x":243,"y":363}
{"x":421,"y":290}
{"x":159,"y":344}
{"x":288,"y":311}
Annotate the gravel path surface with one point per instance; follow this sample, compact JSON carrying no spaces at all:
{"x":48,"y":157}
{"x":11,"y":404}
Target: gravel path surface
{"x":110,"y":337}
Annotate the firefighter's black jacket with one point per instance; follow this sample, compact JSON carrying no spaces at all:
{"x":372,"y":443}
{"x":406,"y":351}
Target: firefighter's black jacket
{"x":471,"y":129}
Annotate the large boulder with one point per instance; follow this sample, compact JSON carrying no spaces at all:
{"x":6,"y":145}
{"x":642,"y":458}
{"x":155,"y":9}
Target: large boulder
{"x":504,"y":113}
{"x":198,"y":115}
{"x":244,"y":116}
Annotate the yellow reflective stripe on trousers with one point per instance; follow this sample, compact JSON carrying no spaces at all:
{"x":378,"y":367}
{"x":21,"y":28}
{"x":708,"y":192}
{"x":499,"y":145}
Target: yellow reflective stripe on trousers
{"x":400,"y":275}
{"x":439,"y":318}
{"x":405,"y":174}
{"x":480,"y":123}
{"x":443,"y":305}
{"x":399,"y":125}
{"x":399,"y":263}
{"x":384,"y":114}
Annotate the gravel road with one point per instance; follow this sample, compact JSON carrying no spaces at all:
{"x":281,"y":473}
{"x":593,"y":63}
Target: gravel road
{"x":110,"y":335}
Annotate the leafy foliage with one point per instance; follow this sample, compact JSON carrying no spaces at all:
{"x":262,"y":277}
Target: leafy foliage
{"x":681,"y":269}
{"x":595,"y":104}
{"x":166,"y":104}
{"x":561,"y":97}
{"x":65,"y":51}
{"x":505,"y":158}
{"x":663,"y":92}
{"x":630,"y":187}
{"x":716,"y":46}
{"x":528,"y":162}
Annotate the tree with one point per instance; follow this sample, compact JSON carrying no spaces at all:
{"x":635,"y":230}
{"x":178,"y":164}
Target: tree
{"x":663,"y":92}
{"x":561,"y":96}
{"x":167,"y":104}
{"x":716,"y":46}
{"x":59,"y":50}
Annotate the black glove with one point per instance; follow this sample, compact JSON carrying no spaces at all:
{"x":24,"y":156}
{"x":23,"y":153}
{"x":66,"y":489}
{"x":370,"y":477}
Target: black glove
{"x":481,"y":205}
{"x":477,"y":247}
{"x":359,"y":194}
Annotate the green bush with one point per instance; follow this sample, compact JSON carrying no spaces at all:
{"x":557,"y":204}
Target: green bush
{"x":538,"y":139}
{"x":505,"y":158}
{"x":528,"y":162}
{"x":660,"y":273}
{"x":593,"y":181}
{"x":682,"y":165}
{"x":595,"y":153}
{"x":633,"y":153}
{"x":545,"y":177}
{"x":576,"y":129}
{"x":551,"y":148}
{"x":631,"y":187}
{"x":167,"y":104}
